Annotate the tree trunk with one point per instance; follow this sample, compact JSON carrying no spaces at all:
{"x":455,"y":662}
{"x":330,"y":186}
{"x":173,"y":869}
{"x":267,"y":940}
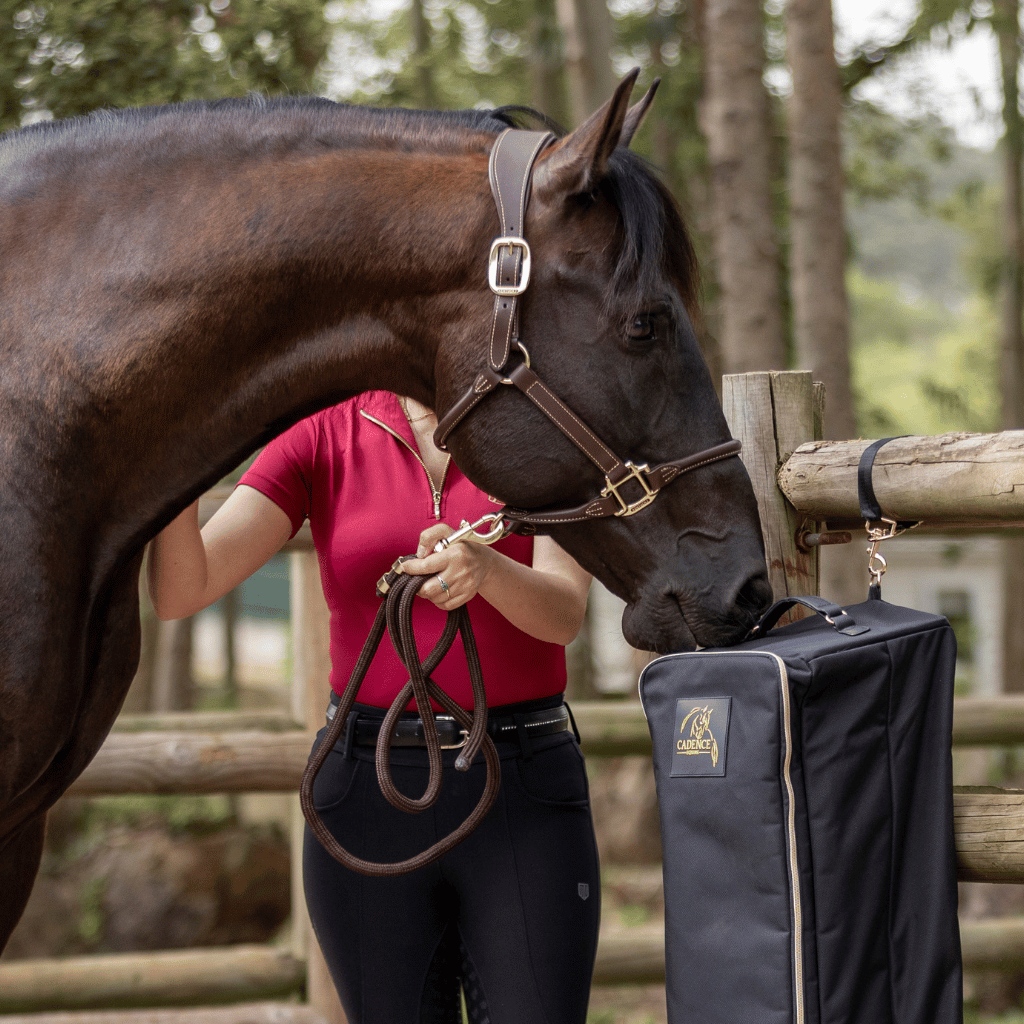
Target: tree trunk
{"x":547,"y":85}
{"x":1006,"y":20}
{"x":229,"y":624}
{"x":426,"y":93}
{"x":818,"y":258}
{"x":737,"y":123}
{"x":586,"y":45}
{"x":817,"y":221}
{"x":140,"y":693}
{"x":172,"y":674}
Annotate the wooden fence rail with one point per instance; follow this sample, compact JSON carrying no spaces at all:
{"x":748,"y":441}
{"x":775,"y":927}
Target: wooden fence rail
{"x":625,"y":956}
{"x":989,"y":823}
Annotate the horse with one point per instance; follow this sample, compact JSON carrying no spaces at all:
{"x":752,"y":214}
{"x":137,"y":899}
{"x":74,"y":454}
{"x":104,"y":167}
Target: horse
{"x":181,"y":283}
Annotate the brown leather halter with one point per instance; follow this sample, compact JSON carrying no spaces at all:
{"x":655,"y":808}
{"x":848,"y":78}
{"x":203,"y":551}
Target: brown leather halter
{"x":511,"y":170}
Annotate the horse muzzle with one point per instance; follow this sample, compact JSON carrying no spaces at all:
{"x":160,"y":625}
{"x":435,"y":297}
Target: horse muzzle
{"x":668,"y":616}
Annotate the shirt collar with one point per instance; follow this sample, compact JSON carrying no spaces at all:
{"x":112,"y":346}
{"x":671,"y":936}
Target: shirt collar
{"x":384,"y":406}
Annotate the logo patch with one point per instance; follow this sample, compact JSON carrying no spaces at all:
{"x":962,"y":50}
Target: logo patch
{"x":701,"y":736}
{"x":583,"y":889}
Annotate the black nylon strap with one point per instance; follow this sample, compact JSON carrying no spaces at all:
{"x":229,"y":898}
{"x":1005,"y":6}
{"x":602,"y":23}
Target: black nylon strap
{"x":870,"y":510}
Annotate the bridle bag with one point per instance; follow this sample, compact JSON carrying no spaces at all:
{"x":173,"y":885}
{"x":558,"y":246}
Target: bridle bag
{"x":804,"y":780}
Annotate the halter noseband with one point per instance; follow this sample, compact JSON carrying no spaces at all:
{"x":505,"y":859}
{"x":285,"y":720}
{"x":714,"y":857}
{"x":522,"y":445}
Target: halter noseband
{"x":510,"y":171}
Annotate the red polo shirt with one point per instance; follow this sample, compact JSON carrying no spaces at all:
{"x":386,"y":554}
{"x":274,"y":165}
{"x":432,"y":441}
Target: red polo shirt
{"x":354,"y":472}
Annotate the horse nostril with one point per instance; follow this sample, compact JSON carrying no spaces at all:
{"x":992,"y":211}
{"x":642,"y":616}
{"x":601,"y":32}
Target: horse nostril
{"x":755,"y":595}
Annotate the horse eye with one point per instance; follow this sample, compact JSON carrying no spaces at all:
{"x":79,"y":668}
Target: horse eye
{"x":643,"y":328}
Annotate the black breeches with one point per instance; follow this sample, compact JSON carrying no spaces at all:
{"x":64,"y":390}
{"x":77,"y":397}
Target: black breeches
{"x":510,"y":916}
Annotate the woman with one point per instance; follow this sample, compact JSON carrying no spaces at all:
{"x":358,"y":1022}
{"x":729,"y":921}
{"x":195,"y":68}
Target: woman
{"x":511,"y":914}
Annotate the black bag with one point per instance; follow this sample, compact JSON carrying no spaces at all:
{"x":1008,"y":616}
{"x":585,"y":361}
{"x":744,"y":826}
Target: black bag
{"x":805,"y":786}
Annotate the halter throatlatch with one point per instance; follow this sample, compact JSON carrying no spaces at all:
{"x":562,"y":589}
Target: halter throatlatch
{"x":509,"y":264}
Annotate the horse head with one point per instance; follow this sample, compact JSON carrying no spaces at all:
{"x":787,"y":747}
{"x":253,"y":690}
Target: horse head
{"x":608,"y":324}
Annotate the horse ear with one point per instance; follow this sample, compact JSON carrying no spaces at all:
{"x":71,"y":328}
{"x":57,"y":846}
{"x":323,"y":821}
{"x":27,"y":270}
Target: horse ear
{"x":636,"y":115}
{"x":575,"y":164}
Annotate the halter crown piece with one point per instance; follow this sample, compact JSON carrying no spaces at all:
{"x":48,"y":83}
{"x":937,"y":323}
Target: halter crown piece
{"x":508,"y":274}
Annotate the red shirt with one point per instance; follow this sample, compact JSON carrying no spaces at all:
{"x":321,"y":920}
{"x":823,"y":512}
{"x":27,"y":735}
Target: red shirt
{"x":354,"y":472}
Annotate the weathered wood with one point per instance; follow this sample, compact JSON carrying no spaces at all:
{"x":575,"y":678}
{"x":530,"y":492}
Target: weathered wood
{"x":989,"y":827}
{"x":965,"y":479}
{"x":193,"y":761}
{"x":310,"y":689}
{"x":631,"y":956}
{"x":188,"y":977}
{"x":208,"y":721}
{"x":772,"y":414}
{"x":189,"y":762}
{"x":612,"y":728}
{"x":988,"y":721}
{"x":243,"y":1013}
{"x":995,"y":945}
{"x":636,"y":956}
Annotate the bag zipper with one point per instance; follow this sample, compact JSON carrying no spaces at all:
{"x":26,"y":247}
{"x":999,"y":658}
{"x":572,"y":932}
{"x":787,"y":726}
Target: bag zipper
{"x":436,"y":492}
{"x":791,"y":845}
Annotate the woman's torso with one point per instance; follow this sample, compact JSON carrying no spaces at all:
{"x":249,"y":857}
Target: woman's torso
{"x":353,"y":470}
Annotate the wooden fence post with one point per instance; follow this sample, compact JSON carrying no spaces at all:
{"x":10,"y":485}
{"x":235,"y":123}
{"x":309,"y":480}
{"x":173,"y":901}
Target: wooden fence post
{"x":773,"y":413}
{"x":311,"y":664}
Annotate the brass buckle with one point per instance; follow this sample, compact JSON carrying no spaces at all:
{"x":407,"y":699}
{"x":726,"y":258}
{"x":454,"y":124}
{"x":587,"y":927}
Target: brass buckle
{"x":461,"y":743}
{"x":635,"y":473}
{"x":524,"y":271}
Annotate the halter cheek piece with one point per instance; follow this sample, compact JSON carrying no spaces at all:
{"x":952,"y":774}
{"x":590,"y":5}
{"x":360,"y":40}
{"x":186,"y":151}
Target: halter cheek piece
{"x":508,"y":274}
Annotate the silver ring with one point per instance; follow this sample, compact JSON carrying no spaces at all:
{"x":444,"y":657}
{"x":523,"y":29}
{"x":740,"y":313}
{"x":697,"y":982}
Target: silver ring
{"x":444,"y":586}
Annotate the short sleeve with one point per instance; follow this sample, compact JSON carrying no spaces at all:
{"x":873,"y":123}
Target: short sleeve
{"x":283,"y":471}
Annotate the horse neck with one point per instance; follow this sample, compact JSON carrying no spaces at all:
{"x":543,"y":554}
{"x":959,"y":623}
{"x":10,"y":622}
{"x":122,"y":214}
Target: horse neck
{"x":250,"y":299}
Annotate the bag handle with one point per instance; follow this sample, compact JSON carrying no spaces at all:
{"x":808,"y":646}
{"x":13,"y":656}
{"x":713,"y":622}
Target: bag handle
{"x":835,"y":616}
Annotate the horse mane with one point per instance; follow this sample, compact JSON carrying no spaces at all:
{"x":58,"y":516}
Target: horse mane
{"x":654,"y":239}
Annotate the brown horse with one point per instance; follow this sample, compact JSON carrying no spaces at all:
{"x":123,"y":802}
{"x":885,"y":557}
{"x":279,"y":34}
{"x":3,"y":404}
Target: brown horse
{"x":179,"y":284}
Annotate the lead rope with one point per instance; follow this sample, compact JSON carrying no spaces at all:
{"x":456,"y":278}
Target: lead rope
{"x":395,"y":615}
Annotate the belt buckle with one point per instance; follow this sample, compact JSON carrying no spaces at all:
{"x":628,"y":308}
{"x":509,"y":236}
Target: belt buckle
{"x":460,"y":744}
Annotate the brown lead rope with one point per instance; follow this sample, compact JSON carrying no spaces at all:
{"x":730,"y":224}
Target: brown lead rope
{"x":395,"y":615}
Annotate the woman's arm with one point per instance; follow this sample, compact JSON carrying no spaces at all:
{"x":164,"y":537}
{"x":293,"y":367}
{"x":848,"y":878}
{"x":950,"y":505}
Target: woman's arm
{"x":546,"y":600}
{"x":189,"y":569}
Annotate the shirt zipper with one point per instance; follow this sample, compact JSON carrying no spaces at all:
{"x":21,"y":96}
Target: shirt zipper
{"x":791,"y":844}
{"x":435,"y":492}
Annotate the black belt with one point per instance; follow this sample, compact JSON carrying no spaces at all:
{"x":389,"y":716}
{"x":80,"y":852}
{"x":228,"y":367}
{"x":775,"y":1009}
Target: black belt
{"x":409,"y":731}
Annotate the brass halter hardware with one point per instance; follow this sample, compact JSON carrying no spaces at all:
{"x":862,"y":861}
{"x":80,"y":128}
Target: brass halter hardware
{"x":508,"y":274}
{"x":639,"y":474}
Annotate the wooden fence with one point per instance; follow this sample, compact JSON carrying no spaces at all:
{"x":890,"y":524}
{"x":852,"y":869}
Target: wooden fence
{"x":961,"y":482}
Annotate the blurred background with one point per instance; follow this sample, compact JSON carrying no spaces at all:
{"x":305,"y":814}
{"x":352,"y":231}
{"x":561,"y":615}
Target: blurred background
{"x":852,"y":172}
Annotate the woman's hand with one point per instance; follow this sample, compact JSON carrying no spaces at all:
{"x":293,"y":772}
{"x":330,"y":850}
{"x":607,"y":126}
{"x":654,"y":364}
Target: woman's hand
{"x":547,"y":599}
{"x":463,"y":568}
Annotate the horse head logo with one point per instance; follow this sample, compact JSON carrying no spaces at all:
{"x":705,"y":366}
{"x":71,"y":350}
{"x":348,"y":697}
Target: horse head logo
{"x":701,"y":740}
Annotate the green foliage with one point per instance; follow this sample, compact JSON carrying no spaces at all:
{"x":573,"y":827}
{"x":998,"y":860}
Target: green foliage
{"x":976,"y":209}
{"x":887,"y":157}
{"x":919,"y":368}
{"x":179,"y":813}
{"x":90,"y":921}
{"x":476,"y":53}
{"x":62,"y":59}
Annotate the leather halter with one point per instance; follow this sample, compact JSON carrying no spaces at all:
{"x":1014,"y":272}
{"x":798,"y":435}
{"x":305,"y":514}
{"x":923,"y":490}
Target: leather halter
{"x":510,"y":171}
